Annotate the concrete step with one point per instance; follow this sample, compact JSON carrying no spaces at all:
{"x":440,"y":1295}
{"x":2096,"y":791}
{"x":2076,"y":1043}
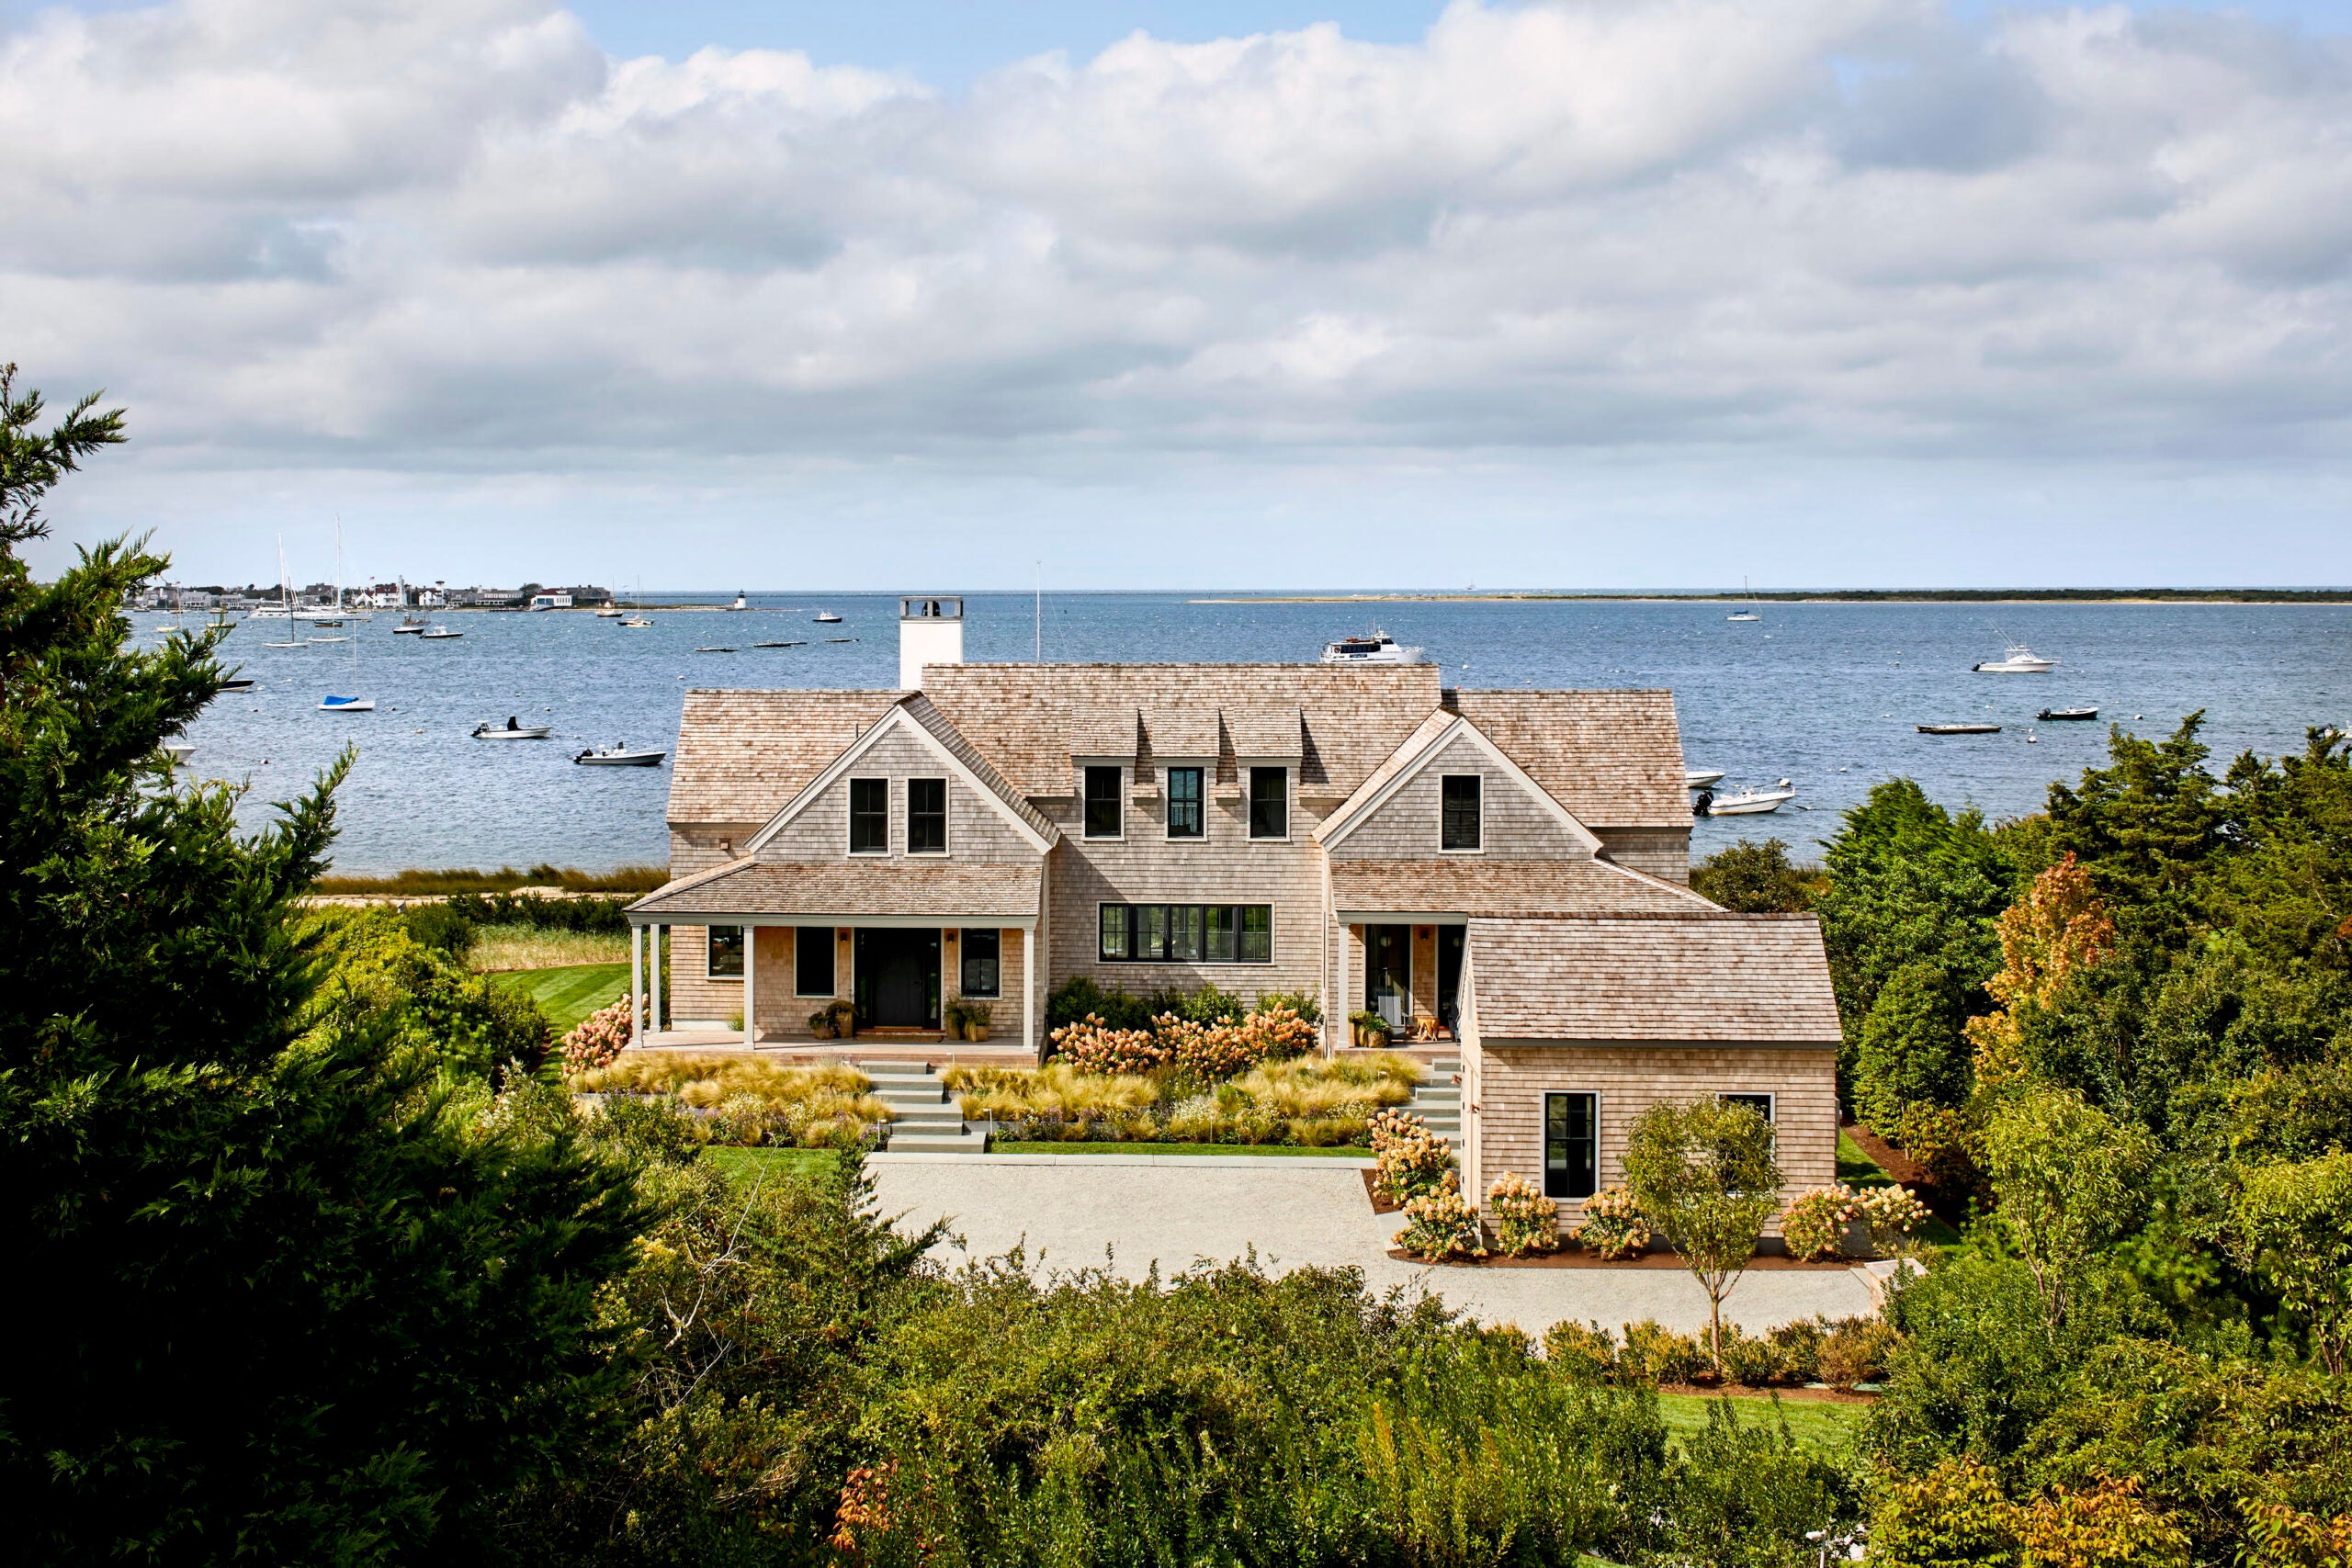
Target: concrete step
{"x":925,"y":1116}
{"x":940,"y":1142}
{"x":1438,"y":1093}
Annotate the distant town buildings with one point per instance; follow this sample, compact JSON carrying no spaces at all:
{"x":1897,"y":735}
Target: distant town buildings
{"x":395,"y":595}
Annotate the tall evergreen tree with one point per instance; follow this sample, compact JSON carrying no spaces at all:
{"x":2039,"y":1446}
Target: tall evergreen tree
{"x":273,"y":1297}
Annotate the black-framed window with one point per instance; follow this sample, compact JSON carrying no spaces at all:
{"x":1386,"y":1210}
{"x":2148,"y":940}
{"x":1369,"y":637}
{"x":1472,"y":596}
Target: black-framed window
{"x":812,"y":961}
{"x":1759,"y":1103}
{"x":1571,"y":1146}
{"x":1187,"y":933}
{"x":1102,"y":802}
{"x":1460,"y":825}
{"x":869,"y":816}
{"x":982,"y":973}
{"x":1184,"y":817}
{"x":724,"y":958}
{"x":1270,"y":803}
{"x":926,"y":816}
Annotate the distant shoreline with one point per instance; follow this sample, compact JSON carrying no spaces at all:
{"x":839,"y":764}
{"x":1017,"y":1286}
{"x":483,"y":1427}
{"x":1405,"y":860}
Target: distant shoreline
{"x":1845,"y":596}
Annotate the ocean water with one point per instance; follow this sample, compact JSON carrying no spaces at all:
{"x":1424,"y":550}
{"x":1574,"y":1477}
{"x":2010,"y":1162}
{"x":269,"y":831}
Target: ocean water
{"x":1823,"y":695}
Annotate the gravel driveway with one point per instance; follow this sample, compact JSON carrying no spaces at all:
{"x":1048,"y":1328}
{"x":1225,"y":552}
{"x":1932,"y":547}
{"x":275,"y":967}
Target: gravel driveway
{"x":1072,"y":1216}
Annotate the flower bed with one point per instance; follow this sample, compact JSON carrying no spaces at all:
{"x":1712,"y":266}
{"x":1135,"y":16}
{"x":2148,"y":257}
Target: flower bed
{"x":750,"y":1103}
{"x":1296,"y":1102}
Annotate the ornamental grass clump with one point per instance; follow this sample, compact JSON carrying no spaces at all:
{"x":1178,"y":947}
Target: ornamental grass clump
{"x":1815,"y":1225}
{"x":1408,"y":1159}
{"x":1441,"y":1225}
{"x":825,"y":1106}
{"x":597,"y":1041}
{"x":1612,"y":1226}
{"x":1526,"y":1222}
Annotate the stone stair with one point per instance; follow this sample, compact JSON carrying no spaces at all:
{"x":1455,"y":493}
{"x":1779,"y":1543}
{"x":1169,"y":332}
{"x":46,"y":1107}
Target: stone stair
{"x":1438,"y":1100}
{"x":923,"y":1120}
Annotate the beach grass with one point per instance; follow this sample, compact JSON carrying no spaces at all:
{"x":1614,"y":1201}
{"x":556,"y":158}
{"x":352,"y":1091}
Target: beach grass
{"x":1817,"y":1423}
{"x":427,"y":884}
{"x":568,"y":994}
{"x":503,"y":947}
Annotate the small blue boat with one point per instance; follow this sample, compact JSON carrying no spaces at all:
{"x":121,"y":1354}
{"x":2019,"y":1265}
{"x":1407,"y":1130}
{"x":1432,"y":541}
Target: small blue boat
{"x":348,"y":705}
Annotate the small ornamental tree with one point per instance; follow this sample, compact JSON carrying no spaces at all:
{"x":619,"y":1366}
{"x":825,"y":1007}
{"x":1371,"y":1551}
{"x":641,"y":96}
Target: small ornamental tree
{"x":2058,"y":930}
{"x":2066,"y":1179}
{"x":1706,"y":1178}
{"x":2294,"y":1229}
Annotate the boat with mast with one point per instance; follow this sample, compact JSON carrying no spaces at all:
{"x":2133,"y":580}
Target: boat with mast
{"x":1748,"y":614}
{"x":332,"y":703}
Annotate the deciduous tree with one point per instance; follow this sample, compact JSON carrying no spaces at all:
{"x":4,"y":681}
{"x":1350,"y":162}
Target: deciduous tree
{"x":1705,"y":1177}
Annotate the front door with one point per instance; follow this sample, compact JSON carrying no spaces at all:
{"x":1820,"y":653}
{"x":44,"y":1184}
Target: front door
{"x":898,"y":978}
{"x":1387,"y":971}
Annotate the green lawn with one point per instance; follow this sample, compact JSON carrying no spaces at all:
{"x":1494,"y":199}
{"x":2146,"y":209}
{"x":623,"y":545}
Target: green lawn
{"x":1815,"y":1423}
{"x":741,"y":1165}
{"x":569,"y":994}
{"x":1003,"y":1148}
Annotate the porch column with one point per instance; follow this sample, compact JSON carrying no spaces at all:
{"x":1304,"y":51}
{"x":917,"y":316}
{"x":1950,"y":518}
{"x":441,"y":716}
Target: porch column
{"x":654,"y":987}
{"x":750,"y":985}
{"x":1029,"y":988}
{"x":635,"y":984}
{"x":1339,"y":1009}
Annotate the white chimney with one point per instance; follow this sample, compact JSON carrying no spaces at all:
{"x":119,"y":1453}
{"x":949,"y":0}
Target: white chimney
{"x":930,"y":631}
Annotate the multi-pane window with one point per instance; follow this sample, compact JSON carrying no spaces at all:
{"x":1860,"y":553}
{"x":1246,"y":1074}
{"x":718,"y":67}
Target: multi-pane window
{"x":981,"y":950}
{"x":1571,"y":1146}
{"x":1187,"y":933}
{"x":812,"y":961}
{"x":1184,"y":818}
{"x":1103,"y":803}
{"x":926,"y":816}
{"x":1270,"y":803}
{"x":869,"y":816}
{"x":726,"y":954}
{"x":1759,"y":1103}
{"x":1459,"y":825}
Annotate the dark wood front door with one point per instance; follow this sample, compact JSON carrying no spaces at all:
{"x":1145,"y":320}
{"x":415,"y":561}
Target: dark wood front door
{"x":898,"y":978}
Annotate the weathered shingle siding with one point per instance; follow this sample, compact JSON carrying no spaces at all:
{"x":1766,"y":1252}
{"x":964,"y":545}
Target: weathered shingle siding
{"x":1661,"y":852}
{"x":1517,"y":824}
{"x":1509,"y":1082}
{"x":689,"y":994}
{"x":1224,"y":867}
{"x":977,"y":829}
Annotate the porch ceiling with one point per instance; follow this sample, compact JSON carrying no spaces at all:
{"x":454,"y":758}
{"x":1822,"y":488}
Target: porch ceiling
{"x":951,"y":892}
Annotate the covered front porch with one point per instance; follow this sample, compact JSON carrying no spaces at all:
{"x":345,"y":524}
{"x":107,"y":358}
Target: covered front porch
{"x":840,"y":960}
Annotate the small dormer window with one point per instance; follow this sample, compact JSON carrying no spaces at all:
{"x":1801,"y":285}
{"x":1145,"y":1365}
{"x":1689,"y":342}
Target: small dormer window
{"x":1270,"y":803}
{"x":1460,"y":826}
{"x":1103,"y":803}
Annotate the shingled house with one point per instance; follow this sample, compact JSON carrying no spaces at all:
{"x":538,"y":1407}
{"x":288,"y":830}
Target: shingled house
{"x":1503,"y":869}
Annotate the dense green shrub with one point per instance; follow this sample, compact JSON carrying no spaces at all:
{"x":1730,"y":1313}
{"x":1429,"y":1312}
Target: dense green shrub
{"x":440,"y":928}
{"x":1079,"y":997}
{"x":591,"y":915}
{"x":1909,"y":1049}
{"x":1757,"y":879}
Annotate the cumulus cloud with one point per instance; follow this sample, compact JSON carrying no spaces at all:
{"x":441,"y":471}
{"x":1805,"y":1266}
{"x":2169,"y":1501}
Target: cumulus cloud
{"x":453,"y":237}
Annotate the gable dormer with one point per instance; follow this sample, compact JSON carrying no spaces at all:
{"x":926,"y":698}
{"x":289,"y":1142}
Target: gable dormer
{"x":1453,"y":792}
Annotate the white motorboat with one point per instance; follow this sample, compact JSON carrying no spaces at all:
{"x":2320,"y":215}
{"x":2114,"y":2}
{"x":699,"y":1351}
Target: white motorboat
{"x":410,"y":626}
{"x":2019,"y":660}
{"x":1702,"y":778}
{"x":611,"y":612}
{"x":634,"y":622}
{"x":619,"y":757}
{"x":515,"y":730}
{"x":1750,"y":803}
{"x":827,"y":618}
{"x":440,"y":634}
{"x":346,"y":705}
{"x":1375,"y":647}
{"x":178,"y":752}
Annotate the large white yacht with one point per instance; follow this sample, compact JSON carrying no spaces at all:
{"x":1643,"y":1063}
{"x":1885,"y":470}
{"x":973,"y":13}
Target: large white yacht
{"x":2019,"y":660}
{"x":1375,"y":647}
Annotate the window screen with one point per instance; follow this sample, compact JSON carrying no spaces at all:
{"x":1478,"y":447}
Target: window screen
{"x":926,"y":816}
{"x":1460,"y":827}
{"x":1571,"y":1146}
{"x":1103,"y":803}
{"x":869,"y":816}
{"x":981,"y":949}
{"x":812,"y":960}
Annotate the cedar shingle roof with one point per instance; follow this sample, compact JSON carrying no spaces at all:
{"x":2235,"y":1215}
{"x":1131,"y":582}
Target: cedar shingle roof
{"x":1613,"y":759}
{"x":1758,"y":978}
{"x":1183,"y":731}
{"x":1023,"y":715}
{"x":743,"y":755}
{"x":1268,"y":730}
{"x":949,"y":890}
{"x":935,"y":725}
{"x":1496,"y":886}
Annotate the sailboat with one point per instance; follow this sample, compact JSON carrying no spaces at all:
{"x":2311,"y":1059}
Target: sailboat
{"x":1749,"y":612}
{"x":285,"y":611}
{"x":331,"y":702}
{"x":637,"y":619}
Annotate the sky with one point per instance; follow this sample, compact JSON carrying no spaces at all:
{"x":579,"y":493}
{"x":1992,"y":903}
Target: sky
{"x":1607,"y":294}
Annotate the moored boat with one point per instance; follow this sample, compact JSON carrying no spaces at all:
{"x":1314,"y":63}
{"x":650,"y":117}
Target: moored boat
{"x":1748,"y":803}
{"x":827,"y":618}
{"x":1702,"y":778}
{"x":441,"y":634}
{"x":1958,"y":728}
{"x":346,"y":705}
{"x":2019,"y":661}
{"x":1375,"y":647}
{"x":2055,"y":715}
{"x":619,"y":757}
{"x":515,"y":730}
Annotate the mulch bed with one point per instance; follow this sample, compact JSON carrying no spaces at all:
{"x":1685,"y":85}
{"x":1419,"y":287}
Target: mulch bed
{"x":1949,"y":1207}
{"x":1379,"y":1205}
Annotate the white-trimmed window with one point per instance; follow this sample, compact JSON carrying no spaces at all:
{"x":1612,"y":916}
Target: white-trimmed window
{"x":1461,"y":827}
{"x":869,"y":816}
{"x":812,"y":961}
{"x":1101,"y":803}
{"x":1187,"y":813}
{"x":1184,"y":933}
{"x":723,"y":953}
{"x":983,"y":972}
{"x":1571,"y":1144}
{"x":1270,"y":803}
{"x":1759,"y":1103}
{"x":926,"y":816}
